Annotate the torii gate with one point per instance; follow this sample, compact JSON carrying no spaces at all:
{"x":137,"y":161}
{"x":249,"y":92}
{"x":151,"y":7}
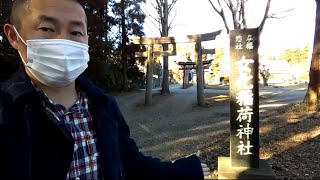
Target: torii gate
{"x":193,"y":64}
{"x":173,"y":40}
{"x":205,"y":65}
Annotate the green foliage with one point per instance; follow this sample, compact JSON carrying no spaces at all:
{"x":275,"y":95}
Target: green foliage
{"x":99,"y":28}
{"x":133,"y":15}
{"x":156,"y":66}
{"x":105,"y":75}
{"x":135,"y":73}
{"x":129,"y":17}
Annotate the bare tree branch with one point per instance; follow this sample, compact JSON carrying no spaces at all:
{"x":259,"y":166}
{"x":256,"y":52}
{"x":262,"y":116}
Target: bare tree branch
{"x":171,"y":5}
{"x":244,"y":21}
{"x":170,"y":23}
{"x":214,"y":7}
{"x":264,"y":17}
{"x":149,"y":16}
{"x":162,"y":20}
{"x":277,"y":15}
{"x":230,"y":4}
{"x":157,"y":8}
{"x":221,"y":13}
{"x":234,"y":14}
{"x":238,"y":14}
{"x":227,"y":3}
{"x":237,"y":9}
{"x":174,"y":26}
{"x":175,"y":15}
{"x":239,"y":22}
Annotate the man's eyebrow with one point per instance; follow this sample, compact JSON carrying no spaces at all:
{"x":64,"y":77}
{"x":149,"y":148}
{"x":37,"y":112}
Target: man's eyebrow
{"x":54,"y":20}
{"x":78,"y":23}
{"x":47,"y":19}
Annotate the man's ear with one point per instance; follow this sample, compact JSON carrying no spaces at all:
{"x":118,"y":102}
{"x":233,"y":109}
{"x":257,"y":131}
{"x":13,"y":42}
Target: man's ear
{"x":11,"y":35}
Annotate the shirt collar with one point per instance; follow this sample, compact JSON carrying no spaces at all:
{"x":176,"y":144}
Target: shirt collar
{"x":79,"y":106}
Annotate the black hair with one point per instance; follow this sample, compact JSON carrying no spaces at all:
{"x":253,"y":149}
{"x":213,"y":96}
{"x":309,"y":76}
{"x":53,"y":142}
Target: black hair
{"x":21,"y":8}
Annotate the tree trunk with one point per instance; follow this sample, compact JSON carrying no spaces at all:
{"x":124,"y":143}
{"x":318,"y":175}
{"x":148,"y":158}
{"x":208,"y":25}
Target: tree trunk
{"x":123,"y":45}
{"x":313,"y":92}
{"x":165,"y":81}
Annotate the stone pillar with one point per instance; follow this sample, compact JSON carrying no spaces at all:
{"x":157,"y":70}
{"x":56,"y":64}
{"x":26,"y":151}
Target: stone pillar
{"x":199,"y":66}
{"x":149,"y":81}
{"x":244,"y":161}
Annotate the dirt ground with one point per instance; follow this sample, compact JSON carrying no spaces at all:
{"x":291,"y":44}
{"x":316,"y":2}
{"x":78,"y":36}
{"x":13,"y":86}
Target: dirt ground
{"x":174,"y":126}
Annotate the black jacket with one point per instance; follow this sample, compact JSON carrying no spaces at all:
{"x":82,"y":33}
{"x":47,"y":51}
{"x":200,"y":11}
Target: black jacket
{"x":34,"y":146}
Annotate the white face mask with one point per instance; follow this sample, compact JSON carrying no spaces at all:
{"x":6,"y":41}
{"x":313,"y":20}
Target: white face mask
{"x":56,"y":62}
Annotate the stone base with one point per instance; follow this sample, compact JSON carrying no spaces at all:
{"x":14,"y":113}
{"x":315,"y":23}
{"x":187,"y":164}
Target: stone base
{"x":225,"y":171}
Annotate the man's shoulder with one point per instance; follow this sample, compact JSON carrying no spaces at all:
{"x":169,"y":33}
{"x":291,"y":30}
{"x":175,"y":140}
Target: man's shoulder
{"x":4,"y":96}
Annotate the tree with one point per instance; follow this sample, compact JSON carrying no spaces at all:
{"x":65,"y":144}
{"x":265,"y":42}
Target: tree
{"x":313,"y":92}
{"x":107,"y":44}
{"x":264,"y":72}
{"x":102,"y":44}
{"x":239,"y":20}
{"x":163,"y":9}
{"x":130,"y":18}
{"x":98,"y":27}
{"x":295,"y":56}
{"x":238,"y":13}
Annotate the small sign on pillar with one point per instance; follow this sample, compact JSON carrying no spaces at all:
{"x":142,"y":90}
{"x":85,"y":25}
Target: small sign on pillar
{"x":244,"y":95}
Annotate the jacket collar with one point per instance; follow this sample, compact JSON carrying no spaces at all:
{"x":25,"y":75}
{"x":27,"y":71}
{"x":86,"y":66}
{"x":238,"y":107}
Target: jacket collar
{"x":93,"y":93}
{"x":19,"y":84}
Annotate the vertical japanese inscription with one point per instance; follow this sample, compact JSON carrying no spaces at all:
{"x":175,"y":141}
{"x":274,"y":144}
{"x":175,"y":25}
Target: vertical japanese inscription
{"x":244,"y":95}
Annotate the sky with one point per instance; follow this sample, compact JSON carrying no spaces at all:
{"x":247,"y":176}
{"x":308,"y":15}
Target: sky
{"x":197,"y":17}
{"x":294,"y":31}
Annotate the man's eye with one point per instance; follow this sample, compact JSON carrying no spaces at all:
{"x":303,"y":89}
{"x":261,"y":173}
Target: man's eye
{"x":76,"y":33}
{"x":45,"y":29}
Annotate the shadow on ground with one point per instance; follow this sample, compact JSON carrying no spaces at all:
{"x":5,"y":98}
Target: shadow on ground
{"x":175,"y":127}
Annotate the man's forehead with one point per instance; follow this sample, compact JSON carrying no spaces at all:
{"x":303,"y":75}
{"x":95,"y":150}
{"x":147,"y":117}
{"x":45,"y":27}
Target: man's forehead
{"x":66,"y":10}
{"x":58,"y":6}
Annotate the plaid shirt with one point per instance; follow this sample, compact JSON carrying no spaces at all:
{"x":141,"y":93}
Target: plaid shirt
{"x":79,"y":124}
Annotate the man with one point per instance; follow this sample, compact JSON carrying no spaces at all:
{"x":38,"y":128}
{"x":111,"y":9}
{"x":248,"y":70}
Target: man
{"x":57,"y":125}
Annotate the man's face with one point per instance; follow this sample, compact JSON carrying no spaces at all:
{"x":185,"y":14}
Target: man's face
{"x":52,"y":19}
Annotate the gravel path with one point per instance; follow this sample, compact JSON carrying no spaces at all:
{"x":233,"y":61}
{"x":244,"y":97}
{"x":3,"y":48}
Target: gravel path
{"x":175,"y":127}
